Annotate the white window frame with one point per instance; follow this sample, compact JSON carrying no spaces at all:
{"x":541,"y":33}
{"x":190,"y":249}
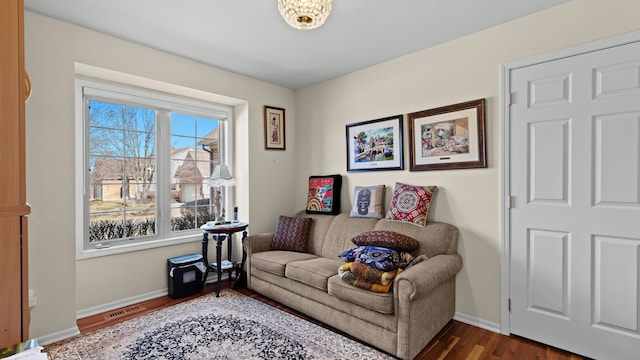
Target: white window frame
{"x":130,"y":94}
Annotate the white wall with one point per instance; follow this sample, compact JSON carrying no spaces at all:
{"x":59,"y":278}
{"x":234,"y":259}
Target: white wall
{"x":457,"y":71}
{"x":64,"y":286}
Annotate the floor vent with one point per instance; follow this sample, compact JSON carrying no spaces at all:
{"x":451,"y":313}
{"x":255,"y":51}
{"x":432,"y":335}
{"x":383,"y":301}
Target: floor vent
{"x":124,"y":311}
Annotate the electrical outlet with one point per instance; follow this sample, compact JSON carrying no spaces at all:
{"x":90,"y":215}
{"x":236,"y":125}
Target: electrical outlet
{"x":33,"y":300}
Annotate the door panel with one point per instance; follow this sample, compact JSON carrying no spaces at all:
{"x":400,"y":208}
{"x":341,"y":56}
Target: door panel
{"x":575,"y":217}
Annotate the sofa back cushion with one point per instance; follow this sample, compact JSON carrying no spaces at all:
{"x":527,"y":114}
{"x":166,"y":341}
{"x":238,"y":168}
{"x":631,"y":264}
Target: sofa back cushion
{"x":319,"y":227}
{"x":331,"y":235}
{"x":435,"y":238}
{"x":342,"y":229}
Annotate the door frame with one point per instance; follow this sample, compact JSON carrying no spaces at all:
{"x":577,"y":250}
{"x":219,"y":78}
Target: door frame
{"x":505,"y":143}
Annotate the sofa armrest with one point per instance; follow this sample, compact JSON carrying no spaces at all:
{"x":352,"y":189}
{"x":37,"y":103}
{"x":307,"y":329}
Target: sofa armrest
{"x":254,"y":244}
{"x":423,"y":277}
{"x":258,"y":243}
{"x":424,"y":301}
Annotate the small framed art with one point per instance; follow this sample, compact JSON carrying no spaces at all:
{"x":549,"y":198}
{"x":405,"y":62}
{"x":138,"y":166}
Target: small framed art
{"x":274,"y":126}
{"x":375,"y":145}
{"x":448,"y":137}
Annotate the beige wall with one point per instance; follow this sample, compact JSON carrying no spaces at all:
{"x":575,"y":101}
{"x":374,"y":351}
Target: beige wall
{"x":62,"y":285}
{"x":274,"y":182}
{"x":457,"y":71}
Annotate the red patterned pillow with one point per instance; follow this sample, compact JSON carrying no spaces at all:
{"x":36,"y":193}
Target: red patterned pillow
{"x":292,"y":234}
{"x":388,"y":239}
{"x":411,"y":203}
{"x":324,"y":194}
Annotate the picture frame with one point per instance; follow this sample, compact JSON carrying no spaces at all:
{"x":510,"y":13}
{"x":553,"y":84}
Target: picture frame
{"x":375,"y":145}
{"x":448,"y":137}
{"x":274,"y":128}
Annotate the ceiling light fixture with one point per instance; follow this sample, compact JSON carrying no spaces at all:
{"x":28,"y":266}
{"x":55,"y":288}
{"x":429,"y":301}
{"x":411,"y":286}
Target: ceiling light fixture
{"x":304,"y":14}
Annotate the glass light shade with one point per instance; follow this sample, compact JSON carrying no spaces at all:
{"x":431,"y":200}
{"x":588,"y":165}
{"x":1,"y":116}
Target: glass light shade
{"x":221,"y":176}
{"x":305,"y":14}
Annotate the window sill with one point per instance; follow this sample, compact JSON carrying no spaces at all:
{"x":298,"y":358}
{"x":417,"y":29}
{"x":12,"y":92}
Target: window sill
{"x":82,"y":254}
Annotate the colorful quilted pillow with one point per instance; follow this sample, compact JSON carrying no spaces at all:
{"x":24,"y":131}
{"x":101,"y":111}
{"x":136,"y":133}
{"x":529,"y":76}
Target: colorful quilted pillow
{"x":367,"y":202}
{"x":324,"y":194}
{"x":388,"y":239}
{"x":380,"y":258}
{"x":411,"y":203}
{"x":292,"y":234}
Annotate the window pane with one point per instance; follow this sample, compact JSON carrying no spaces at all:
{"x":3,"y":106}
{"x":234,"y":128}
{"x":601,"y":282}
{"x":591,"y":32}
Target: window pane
{"x":105,"y":225}
{"x":183,"y":125}
{"x":104,"y":141}
{"x":140,"y":119}
{"x":140,"y":223}
{"x":105,"y":178}
{"x":104,"y":114}
{"x":182,"y":142}
{"x":194,"y":149}
{"x":207,"y":128}
{"x":122,"y":171}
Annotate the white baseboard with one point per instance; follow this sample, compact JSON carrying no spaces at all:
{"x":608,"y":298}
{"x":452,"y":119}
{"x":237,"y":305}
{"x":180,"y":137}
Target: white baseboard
{"x":58,"y":336}
{"x":477,"y":322}
{"x":136,"y":299}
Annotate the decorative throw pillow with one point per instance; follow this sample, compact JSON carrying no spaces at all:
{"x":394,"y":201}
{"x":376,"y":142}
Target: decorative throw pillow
{"x":411,"y":203}
{"x":367,"y":202}
{"x":324,"y":194}
{"x":388,"y":239}
{"x":292,"y":234}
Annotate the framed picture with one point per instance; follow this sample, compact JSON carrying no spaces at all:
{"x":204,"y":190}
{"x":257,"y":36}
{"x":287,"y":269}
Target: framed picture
{"x":448,"y":137}
{"x":274,"y":137}
{"x":375,"y":145}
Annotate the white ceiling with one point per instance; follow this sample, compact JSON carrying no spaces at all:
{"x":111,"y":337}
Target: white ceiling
{"x":250,"y":37}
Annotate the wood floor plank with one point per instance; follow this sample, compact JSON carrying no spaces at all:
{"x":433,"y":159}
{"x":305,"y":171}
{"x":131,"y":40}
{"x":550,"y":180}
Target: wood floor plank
{"x":456,"y":341}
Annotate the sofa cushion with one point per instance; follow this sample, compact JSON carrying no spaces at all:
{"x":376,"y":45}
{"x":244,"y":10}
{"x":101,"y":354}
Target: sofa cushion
{"x":411,"y":203}
{"x":292,"y":234}
{"x":275,"y":261}
{"x":313,"y":272}
{"x":367,"y":202}
{"x":379,"y":302}
{"x":388,"y":239}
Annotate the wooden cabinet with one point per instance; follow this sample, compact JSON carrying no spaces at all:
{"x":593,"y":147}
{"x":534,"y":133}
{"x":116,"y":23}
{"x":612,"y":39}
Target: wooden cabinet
{"x":14,"y":309}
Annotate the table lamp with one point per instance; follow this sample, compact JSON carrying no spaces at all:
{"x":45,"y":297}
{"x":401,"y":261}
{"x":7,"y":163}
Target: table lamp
{"x":220,"y":177}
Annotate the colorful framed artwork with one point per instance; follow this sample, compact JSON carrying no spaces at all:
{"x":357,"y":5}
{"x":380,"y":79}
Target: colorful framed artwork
{"x":274,"y":126}
{"x":448,"y":137}
{"x":375,"y":145}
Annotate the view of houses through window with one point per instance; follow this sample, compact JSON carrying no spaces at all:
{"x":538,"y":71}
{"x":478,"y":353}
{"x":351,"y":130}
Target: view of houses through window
{"x":148,"y":170}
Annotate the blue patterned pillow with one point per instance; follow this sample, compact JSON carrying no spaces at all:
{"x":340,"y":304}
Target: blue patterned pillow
{"x":377,"y":257}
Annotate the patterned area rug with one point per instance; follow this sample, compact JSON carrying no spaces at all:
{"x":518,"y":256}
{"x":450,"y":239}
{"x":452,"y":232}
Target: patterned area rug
{"x":233,"y":326}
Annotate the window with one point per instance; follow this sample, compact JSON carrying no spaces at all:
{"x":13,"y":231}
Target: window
{"x":145,"y":163}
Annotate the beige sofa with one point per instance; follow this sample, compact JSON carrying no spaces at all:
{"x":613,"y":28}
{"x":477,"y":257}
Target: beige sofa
{"x":401,"y":322}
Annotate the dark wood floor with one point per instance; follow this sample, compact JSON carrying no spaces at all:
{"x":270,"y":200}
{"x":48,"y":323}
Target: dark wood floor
{"x":456,"y":341}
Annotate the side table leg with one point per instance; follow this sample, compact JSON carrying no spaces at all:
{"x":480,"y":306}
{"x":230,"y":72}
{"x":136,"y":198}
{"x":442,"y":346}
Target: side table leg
{"x":241,"y":275}
{"x":205,"y":259}
{"x":219,"y":262}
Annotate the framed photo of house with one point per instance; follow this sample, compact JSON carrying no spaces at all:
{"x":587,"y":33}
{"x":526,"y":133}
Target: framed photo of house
{"x":448,"y":137}
{"x":274,"y":126}
{"x":375,"y":145}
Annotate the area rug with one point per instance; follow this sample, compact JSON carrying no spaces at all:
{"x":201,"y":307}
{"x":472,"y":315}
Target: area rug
{"x":233,"y":326}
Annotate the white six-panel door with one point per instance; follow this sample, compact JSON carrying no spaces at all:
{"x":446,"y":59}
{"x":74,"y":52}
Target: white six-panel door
{"x":575,"y":202}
